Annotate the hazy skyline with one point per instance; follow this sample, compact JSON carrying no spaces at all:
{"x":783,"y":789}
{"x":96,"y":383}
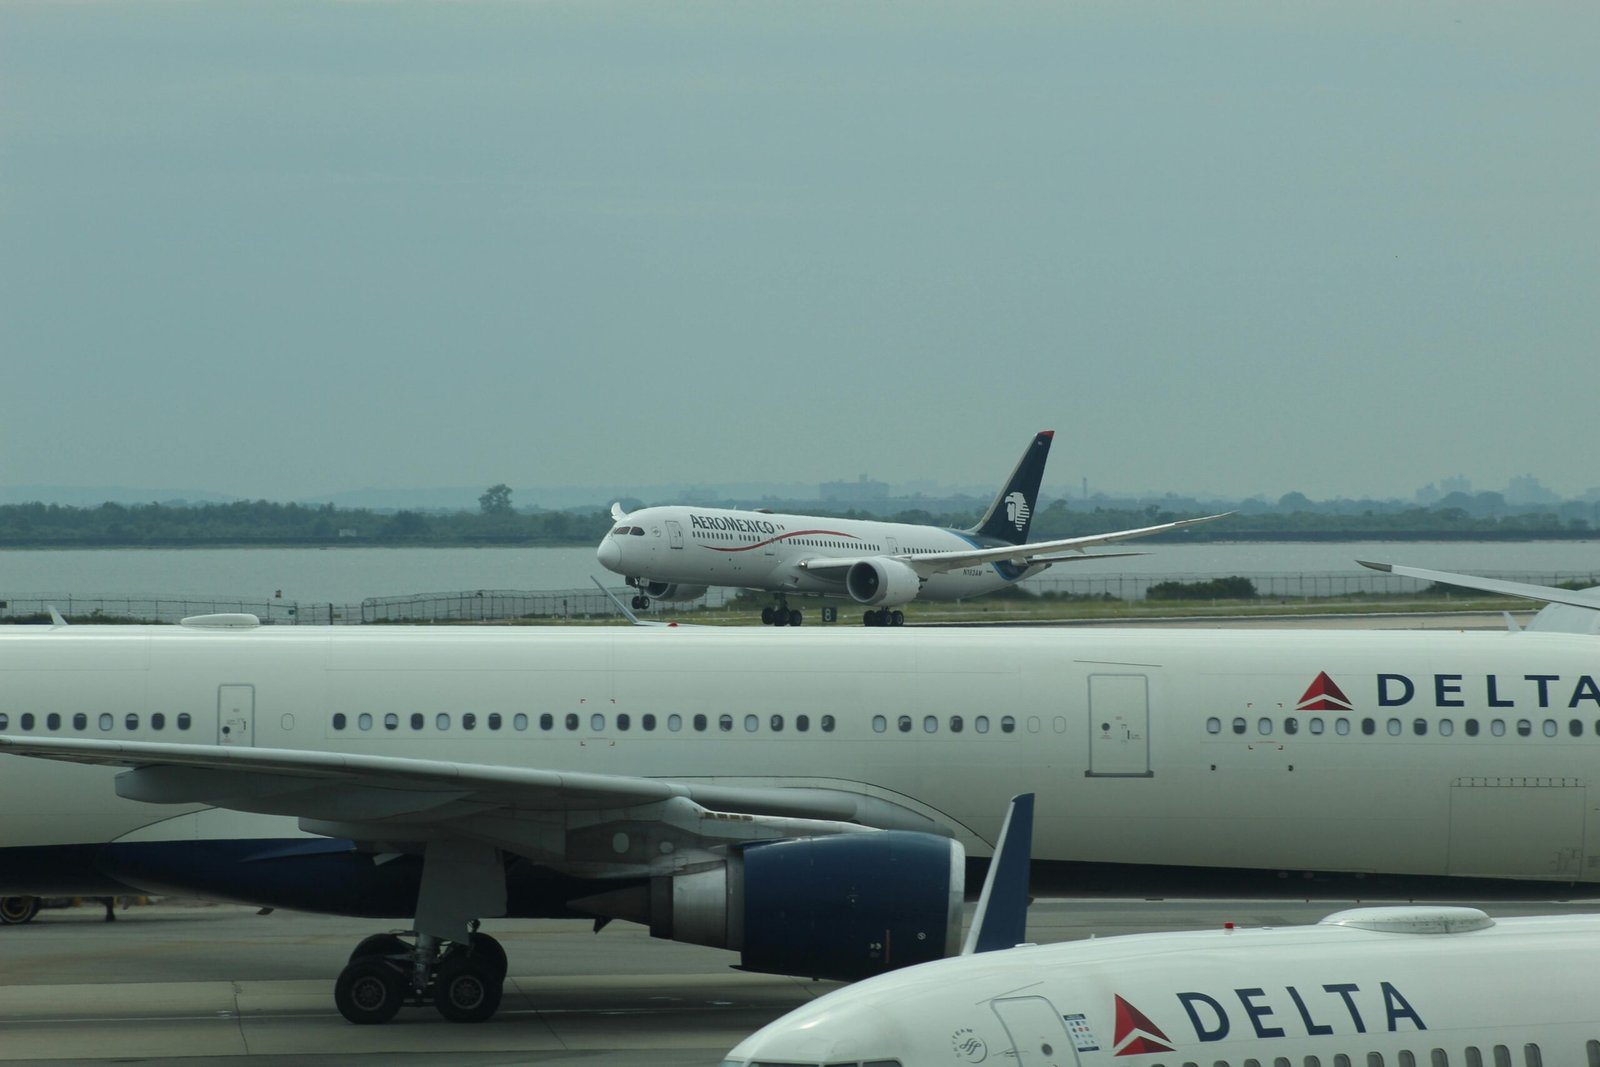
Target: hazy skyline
{"x":287,"y":250}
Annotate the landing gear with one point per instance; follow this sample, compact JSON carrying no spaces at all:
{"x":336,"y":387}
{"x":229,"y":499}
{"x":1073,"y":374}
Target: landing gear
{"x":14,"y":911}
{"x":883,"y":617}
{"x":464,"y":982}
{"x":640,"y":603}
{"x":781,"y":615}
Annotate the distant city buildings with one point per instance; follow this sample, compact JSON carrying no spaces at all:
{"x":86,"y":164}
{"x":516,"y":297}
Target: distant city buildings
{"x":861,"y":491}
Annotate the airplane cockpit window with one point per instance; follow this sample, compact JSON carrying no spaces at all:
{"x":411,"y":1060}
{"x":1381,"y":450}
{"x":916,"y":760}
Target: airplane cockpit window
{"x":637,"y":531}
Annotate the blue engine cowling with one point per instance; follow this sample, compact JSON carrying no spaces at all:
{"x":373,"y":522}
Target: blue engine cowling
{"x":844,"y":907}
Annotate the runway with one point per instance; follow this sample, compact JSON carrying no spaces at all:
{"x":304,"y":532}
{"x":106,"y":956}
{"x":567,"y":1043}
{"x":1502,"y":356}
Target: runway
{"x":212,"y":984}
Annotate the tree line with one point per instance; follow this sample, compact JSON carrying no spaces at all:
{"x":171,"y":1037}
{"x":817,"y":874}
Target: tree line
{"x":262,"y":522}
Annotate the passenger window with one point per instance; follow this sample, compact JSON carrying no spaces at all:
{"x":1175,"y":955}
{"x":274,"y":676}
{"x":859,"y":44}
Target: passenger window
{"x":1472,"y":727}
{"x":1420,"y":727}
{"x":468,"y":720}
{"x":52,"y":721}
{"x":1239,"y":726}
{"x":623,"y":720}
{"x":1446,"y":727}
{"x":494,"y":720}
{"x":1007,"y":724}
{"x":106,"y":720}
{"x":648,"y":721}
{"x":1531,"y":1056}
{"x":1549,"y":727}
{"x":1341,"y":1060}
{"x":441,"y":721}
{"x":700,"y":723}
{"x":1575,"y":727}
{"x":752,"y":723}
{"x":27,"y":720}
{"x":802,"y":723}
{"x":1474,"y":1057}
{"x":1438,"y":1058}
{"x":547,"y":721}
{"x":1263,"y":727}
{"x":1213,"y":725}
{"x":417,"y":721}
{"x":1502,"y":1056}
{"x":519,"y":721}
{"x":1317,"y":726}
{"x":572,"y":720}
{"x":338,"y":720}
{"x":597,"y":722}
{"x":365,"y":721}
{"x":1374,"y":1059}
{"x":674,"y":722}
{"x":827,"y":724}
{"x":1524,"y":727}
{"x":1407,"y":1059}
{"x":1369,"y":727}
{"x":1393,"y":726}
{"x":1341,"y":727}
{"x":183,"y":720}
{"x":904,"y":723}
{"x":1291,"y":726}
{"x":80,"y":721}
{"x":5,"y":722}
{"x":981,"y":724}
{"x":930,"y":724}
{"x":879,"y":724}
{"x":131,"y":722}
{"x":955,"y":724}
{"x":775,"y":724}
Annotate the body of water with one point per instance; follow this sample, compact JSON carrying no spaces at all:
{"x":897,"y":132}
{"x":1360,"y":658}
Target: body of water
{"x":350,"y":575}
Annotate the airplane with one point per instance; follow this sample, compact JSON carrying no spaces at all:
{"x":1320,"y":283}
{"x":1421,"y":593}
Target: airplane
{"x":675,"y":553}
{"x":1417,"y":986}
{"x":817,"y":823}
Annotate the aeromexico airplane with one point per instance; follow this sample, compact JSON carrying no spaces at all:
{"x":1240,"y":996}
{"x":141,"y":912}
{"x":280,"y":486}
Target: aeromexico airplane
{"x":1402,"y":985}
{"x":805,"y":799}
{"x":676,"y":553}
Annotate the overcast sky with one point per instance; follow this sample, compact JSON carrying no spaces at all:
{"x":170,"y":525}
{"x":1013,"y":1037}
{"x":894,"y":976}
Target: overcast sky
{"x":284,"y":249}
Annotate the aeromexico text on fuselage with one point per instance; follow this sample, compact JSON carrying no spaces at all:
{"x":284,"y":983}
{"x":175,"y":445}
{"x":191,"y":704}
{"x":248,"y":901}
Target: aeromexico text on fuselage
{"x":1457,"y":690}
{"x":722,"y":522}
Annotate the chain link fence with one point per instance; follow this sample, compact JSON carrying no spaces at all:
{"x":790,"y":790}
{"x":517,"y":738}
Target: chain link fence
{"x":485,"y":605}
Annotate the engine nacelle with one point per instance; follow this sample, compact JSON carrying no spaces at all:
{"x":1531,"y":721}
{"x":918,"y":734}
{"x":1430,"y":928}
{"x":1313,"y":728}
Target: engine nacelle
{"x":844,"y":907}
{"x":670,"y":590}
{"x":882,"y":581}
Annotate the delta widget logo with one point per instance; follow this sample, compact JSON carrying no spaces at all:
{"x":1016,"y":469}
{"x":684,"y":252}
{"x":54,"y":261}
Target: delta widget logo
{"x":1017,"y":510}
{"x":1135,"y":1034}
{"x":1323,"y":694}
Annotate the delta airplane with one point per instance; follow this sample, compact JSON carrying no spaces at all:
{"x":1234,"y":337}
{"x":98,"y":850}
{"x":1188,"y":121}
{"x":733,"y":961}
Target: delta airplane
{"x":1369,"y":986}
{"x":1413,"y":986}
{"x":676,"y":553}
{"x":806,"y":800}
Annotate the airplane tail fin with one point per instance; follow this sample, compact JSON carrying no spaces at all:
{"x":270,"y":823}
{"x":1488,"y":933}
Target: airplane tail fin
{"x":1001,"y":920}
{"x":1011,"y":513}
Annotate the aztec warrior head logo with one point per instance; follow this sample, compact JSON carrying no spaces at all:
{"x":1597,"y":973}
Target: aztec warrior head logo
{"x":1017,"y":510}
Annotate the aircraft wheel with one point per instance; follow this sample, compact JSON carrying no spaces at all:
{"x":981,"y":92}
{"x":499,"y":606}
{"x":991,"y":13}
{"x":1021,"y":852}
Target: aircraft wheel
{"x":369,"y":991}
{"x":897,"y":618}
{"x":485,"y":950}
{"x":644,"y":602}
{"x":466,"y":988}
{"x":379,"y":945}
{"x":869,"y":618}
{"x":633,"y":603}
{"x":14,"y":911}
{"x":766,"y":616}
{"x":795,"y":617}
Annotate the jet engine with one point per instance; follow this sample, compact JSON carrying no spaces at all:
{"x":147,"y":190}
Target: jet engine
{"x":844,"y":907}
{"x":882,"y":581}
{"x":669,"y":590}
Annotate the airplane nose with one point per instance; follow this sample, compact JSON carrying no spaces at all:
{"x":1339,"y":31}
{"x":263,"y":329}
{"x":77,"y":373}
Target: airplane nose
{"x":609,"y":554}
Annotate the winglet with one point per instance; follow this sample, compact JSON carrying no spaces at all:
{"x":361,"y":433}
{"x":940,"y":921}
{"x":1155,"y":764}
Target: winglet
{"x":56,"y":621}
{"x":632,"y":618}
{"x":1577,"y":598}
{"x":1001,"y":920}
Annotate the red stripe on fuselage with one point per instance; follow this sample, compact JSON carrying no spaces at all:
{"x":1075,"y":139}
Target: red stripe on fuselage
{"x":783,"y":537}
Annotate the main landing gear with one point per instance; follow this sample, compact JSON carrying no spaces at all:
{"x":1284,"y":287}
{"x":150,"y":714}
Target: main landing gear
{"x":883,"y":617}
{"x":463,"y":982}
{"x":781,"y":614}
{"x":640,"y":603}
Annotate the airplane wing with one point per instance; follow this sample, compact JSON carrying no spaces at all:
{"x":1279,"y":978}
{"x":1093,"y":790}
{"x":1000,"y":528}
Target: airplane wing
{"x":1578,"y":598}
{"x":1066,"y":549}
{"x":553,"y":817}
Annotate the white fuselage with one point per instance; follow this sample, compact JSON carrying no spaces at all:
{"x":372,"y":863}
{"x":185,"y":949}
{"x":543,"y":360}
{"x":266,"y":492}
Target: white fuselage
{"x":1459,"y":754}
{"x":1517,"y":992}
{"x":758,"y":550}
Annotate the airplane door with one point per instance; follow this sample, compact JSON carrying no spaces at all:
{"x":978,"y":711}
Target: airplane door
{"x":1119,"y":726}
{"x":674,"y":534}
{"x":1038,"y":1033}
{"x":236,"y":714}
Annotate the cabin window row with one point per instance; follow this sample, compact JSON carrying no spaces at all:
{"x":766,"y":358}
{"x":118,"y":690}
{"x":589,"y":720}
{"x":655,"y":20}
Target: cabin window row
{"x":1472,"y":1056}
{"x":1265,"y":726}
{"x":955,"y":724}
{"x":572,"y":722}
{"x":27,"y":721}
